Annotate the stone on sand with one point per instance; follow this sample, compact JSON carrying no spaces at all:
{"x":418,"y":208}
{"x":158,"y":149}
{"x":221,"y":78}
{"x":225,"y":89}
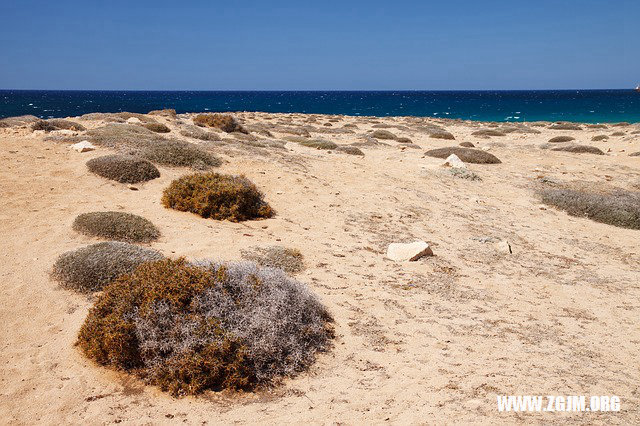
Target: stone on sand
{"x":402,"y":252}
{"x":504,"y":247}
{"x":454,"y":161}
{"x":133,"y":120}
{"x":83,"y":146}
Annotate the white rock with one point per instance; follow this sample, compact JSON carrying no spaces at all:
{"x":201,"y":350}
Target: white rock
{"x":400,"y":252}
{"x":454,"y":161}
{"x":133,"y":120}
{"x":83,"y":146}
{"x":486,"y":148}
{"x":504,"y":247}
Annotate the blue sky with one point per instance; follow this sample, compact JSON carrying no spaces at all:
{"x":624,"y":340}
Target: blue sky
{"x":322,"y":45}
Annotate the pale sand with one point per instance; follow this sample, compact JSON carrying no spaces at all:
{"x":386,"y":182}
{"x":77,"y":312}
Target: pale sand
{"x":432,"y":341}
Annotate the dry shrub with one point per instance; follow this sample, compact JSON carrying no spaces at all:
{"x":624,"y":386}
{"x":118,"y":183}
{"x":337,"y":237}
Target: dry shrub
{"x":383,"y":134}
{"x":441,"y":135}
{"x":217,"y":196}
{"x":467,"y":155}
{"x":619,"y":208}
{"x":43,"y":125}
{"x":297,"y":131}
{"x":596,"y":126}
{"x":21,"y":120}
{"x":61,"y":124}
{"x":90,"y":268}
{"x":121,"y":136}
{"x":404,"y":140}
{"x":188,"y":328}
{"x":467,"y":144}
{"x":579,"y":149}
{"x":157,"y":127}
{"x":177,"y":153}
{"x":464,"y":174}
{"x":635,"y":154}
{"x":196,"y":132}
{"x":351,"y":150}
{"x":123,"y":168}
{"x":167,"y":112}
{"x":565,"y":126}
{"x":488,"y":132}
{"x":519,"y":128}
{"x":618,"y":134}
{"x":562,"y":139}
{"x":287,"y":259}
{"x":621,"y":124}
{"x":224,"y":122}
{"x":318,"y":144}
{"x":600,"y":138}
{"x":118,"y":226}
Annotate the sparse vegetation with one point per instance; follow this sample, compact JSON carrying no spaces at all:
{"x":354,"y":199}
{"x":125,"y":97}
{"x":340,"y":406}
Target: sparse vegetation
{"x":224,"y":122}
{"x":89,"y":269}
{"x":157,"y":127}
{"x":196,"y":132}
{"x":565,"y":126}
{"x":562,"y":139}
{"x":383,"y":134}
{"x":618,"y":134}
{"x":488,"y":132}
{"x":123,"y":168}
{"x":177,"y":153}
{"x":43,"y":125}
{"x":188,"y":328}
{"x":619,"y":208}
{"x":122,"y":136}
{"x":441,"y":135}
{"x":22,"y":120}
{"x":467,"y":144}
{"x":217,"y":196}
{"x":464,"y":173}
{"x":635,"y":154}
{"x":600,"y":138}
{"x":167,"y":112}
{"x":318,"y":144}
{"x":61,"y":124}
{"x":351,"y":150}
{"x":118,"y":226}
{"x":580,"y":149}
{"x":596,"y":126}
{"x":467,"y":155}
{"x":287,"y":259}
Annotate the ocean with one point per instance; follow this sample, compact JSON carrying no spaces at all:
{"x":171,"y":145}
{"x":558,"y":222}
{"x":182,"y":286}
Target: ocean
{"x":590,"y":106}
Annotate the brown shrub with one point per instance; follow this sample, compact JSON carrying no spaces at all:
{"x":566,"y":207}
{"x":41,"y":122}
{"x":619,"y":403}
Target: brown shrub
{"x":224,"y":122}
{"x":618,"y":134}
{"x":318,"y":144}
{"x":61,"y":124}
{"x":562,"y":139}
{"x":441,"y":135}
{"x":596,"y":126}
{"x":467,"y":155}
{"x":123,"y":168}
{"x":600,"y":138}
{"x":619,"y":208}
{"x":118,"y":226}
{"x":90,"y":268}
{"x":188,"y":328}
{"x":157,"y":127}
{"x":565,"y":126}
{"x":217,"y":196}
{"x":488,"y":132}
{"x":196,"y":132}
{"x":351,"y":150}
{"x":579,"y":149}
{"x":287,"y":259}
{"x":43,"y":125}
{"x":467,"y":144}
{"x":383,"y":134}
{"x":167,"y":112}
{"x":21,"y":120}
{"x":635,"y":154}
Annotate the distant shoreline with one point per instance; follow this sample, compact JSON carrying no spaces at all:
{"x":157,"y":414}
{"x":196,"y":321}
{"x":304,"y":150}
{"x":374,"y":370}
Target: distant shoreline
{"x":584,"y":106}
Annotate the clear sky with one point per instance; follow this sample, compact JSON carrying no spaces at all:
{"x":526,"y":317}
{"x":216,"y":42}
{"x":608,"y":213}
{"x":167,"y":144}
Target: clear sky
{"x":319,"y":45}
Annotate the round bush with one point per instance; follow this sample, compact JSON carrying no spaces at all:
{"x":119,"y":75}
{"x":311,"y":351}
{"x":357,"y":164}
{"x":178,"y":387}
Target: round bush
{"x":468,"y":155}
{"x":488,"y":132}
{"x":179,"y":154}
{"x":90,"y":268}
{"x":287,"y":259}
{"x":441,"y":135}
{"x":224,"y":122}
{"x":118,"y":226}
{"x":123,"y":168}
{"x":580,"y":149}
{"x":157,"y":127}
{"x":383,"y":134}
{"x":217,"y":196}
{"x":467,"y":144}
{"x":562,"y":139}
{"x":188,"y":328}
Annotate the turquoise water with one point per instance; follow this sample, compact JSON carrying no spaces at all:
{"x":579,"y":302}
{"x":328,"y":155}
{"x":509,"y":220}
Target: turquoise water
{"x":590,"y":106}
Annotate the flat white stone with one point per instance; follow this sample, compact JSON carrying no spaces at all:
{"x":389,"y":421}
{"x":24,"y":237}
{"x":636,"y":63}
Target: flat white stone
{"x":83,"y":146}
{"x":402,"y":252}
{"x":133,"y":120}
{"x":454,"y":161}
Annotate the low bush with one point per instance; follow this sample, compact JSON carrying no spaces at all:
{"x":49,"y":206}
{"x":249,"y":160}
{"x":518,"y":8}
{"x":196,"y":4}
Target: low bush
{"x":43,"y":125}
{"x":224,"y":122}
{"x":467,"y":155}
{"x":21,"y":120}
{"x":167,"y":112}
{"x":287,"y":259}
{"x":619,"y":208}
{"x":562,"y":139}
{"x":579,"y":149}
{"x":618,"y":134}
{"x":600,"y":138}
{"x":177,"y":153}
{"x":121,"y":136}
{"x":188,"y":328}
{"x":119,"y":226}
{"x":621,"y":124}
{"x":157,"y":127}
{"x":441,"y":135}
{"x":635,"y":154}
{"x":467,"y":144}
{"x":351,"y":150}
{"x":196,"y":132}
{"x":596,"y":126}
{"x":565,"y":126}
{"x":89,"y":269}
{"x":488,"y":132}
{"x":123,"y":168}
{"x":383,"y":134}
{"x":403,"y":140}
{"x":217,"y":196}
{"x":318,"y":144}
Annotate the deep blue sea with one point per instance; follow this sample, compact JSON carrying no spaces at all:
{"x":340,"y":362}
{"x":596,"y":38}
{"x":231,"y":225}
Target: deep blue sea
{"x":590,"y":106}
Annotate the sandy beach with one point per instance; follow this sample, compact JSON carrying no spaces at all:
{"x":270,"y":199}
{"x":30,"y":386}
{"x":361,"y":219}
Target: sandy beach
{"x":427,"y":342}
